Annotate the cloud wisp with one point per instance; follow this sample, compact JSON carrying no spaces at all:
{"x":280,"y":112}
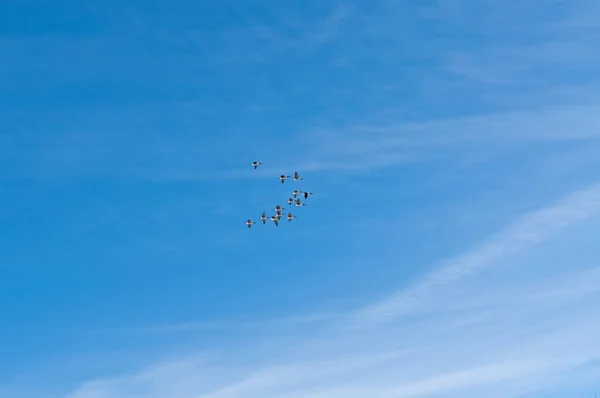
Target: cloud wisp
{"x":186,"y":327}
{"x":528,"y":230}
{"x":104,"y":140}
{"x":517,"y":336}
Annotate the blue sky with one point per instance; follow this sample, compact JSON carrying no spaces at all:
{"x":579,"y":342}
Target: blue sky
{"x":451,"y":247}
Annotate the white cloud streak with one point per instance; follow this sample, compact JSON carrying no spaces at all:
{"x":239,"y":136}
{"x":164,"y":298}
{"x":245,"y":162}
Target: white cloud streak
{"x":517,"y":337}
{"x":228,"y":324}
{"x":105,"y":142}
{"x":376,"y":145}
{"x":530,"y":229}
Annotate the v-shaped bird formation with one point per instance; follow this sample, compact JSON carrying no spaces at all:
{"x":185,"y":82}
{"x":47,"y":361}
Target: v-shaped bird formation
{"x":294,"y":200}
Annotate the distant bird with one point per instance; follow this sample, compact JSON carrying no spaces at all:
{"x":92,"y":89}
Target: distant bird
{"x":275,"y":220}
{"x":283,"y":177}
{"x":279,"y":208}
{"x":297,"y":177}
{"x":306,"y":193}
{"x":263,"y":217}
{"x":255,"y":164}
{"x":290,"y":217}
{"x":249,"y":223}
{"x":290,"y":201}
{"x":295,"y":192}
{"x":299,"y":203}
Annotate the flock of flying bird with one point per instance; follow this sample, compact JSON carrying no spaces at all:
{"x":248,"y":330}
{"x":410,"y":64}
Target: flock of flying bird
{"x":294,"y":200}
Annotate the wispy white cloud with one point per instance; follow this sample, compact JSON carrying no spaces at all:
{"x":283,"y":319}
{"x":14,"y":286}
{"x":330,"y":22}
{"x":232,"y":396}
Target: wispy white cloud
{"x":361,"y":146}
{"x":97,"y":143}
{"x":382,"y":144}
{"x":529,"y":71}
{"x":466,"y":332}
{"x":383,"y":140}
{"x":286,"y":321}
{"x":530,"y":229}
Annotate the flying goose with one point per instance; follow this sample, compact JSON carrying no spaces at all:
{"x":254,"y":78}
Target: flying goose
{"x":290,"y":201}
{"x":279,"y":208}
{"x":295,"y":192}
{"x":297,"y":176}
{"x":290,"y":217}
{"x":255,"y":164}
{"x":275,"y":220}
{"x":306,"y":193}
{"x":249,"y":223}
{"x":263,"y":217}
{"x":299,"y":203}
{"x":283,"y":177}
